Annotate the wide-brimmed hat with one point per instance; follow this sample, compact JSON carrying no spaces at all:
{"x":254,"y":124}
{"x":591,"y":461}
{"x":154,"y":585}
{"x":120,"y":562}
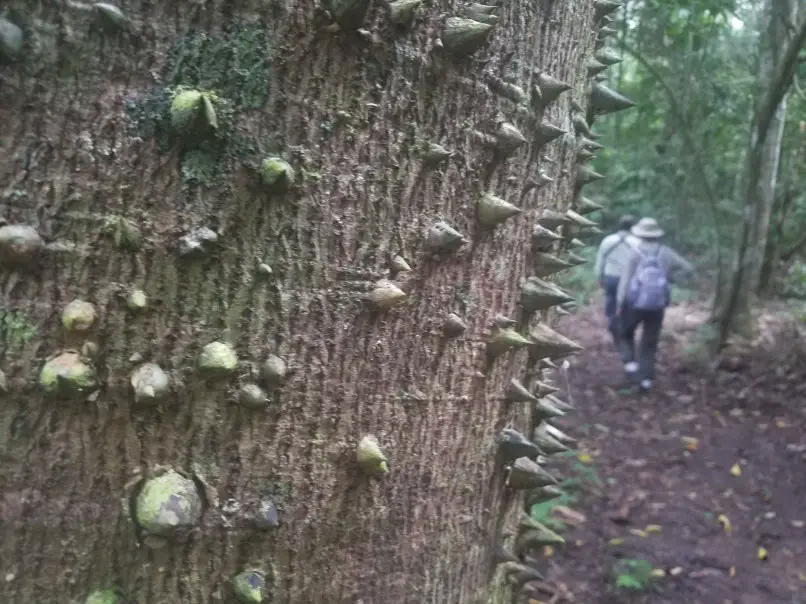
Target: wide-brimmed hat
{"x":647,"y":228}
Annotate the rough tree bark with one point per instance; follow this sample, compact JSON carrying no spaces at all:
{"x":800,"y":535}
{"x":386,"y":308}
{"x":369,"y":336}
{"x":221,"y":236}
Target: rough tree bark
{"x":780,"y":20}
{"x":781,"y":42}
{"x":92,"y":160}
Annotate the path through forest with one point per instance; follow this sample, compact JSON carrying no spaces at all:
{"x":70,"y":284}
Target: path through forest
{"x":695,"y":493}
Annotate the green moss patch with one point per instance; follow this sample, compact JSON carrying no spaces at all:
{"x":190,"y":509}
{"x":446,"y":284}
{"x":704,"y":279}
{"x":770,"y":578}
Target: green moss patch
{"x":237,"y":64}
{"x":15,"y":329}
{"x":233,"y":70}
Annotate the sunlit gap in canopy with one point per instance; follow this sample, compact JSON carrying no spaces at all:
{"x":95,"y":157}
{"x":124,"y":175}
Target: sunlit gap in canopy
{"x":731,"y":16}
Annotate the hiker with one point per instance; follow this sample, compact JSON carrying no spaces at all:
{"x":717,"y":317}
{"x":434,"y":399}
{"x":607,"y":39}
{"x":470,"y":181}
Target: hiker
{"x":643,"y":295}
{"x":610,"y":261}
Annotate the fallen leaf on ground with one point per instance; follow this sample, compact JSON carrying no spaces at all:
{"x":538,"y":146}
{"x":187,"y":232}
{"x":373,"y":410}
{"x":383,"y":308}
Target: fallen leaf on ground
{"x":732,"y":571}
{"x":616,"y":541}
{"x":569,"y":516}
{"x":658,"y":572}
{"x":780,"y":423}
{"x":689,"y":442}
{"x":762,"y":553}
{"x":736,"y":470}
{"x":637,"y":532}
{"x":548,"y":551}
{"x":725,"y":522}
{"x":635,"y":463}
{"x":584,"y":458}
{"x":706,"y":572}
{"x":622,"y":514}
{"x":653,"y":528}
{"x":676,"y":571}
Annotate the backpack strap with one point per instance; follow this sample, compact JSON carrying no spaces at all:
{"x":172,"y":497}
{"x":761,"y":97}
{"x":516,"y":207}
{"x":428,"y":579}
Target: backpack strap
{"x":656,"y":256}
{"x":650,"y":254}
{"x":607,"y":253}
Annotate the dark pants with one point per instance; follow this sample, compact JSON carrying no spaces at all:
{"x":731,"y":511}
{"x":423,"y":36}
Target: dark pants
{"x":652,"y":320}
{"x":610,"y":286}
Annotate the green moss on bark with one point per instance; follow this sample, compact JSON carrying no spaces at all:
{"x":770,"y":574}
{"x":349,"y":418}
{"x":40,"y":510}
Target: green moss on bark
{"x":15,"y":329}
{"x":235,"y":69}
{"x":237,"y":65}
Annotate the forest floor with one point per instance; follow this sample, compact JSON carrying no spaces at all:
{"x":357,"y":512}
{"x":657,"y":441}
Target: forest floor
{"x":695,"y":493}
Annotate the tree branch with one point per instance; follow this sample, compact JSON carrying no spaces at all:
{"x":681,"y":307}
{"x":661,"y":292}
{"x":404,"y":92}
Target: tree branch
{"x":781,"y":82}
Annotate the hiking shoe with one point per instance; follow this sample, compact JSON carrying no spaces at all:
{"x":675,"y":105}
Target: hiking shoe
{"x":630,"y":370}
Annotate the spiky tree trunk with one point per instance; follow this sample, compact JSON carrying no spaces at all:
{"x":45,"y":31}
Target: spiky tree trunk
{"x":247,"y":198}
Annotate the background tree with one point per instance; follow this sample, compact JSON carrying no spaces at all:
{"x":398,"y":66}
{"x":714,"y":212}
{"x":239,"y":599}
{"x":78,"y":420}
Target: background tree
{"x":239,"y":236}
{"x":785,"y":36}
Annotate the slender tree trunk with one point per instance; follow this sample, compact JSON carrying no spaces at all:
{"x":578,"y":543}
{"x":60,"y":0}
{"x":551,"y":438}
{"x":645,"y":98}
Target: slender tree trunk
{"x":96,"y":155}
{"x":782,"y":18}
{"x":772,"y":252}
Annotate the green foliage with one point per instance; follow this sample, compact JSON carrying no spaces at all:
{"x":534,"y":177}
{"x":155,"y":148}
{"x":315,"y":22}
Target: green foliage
{"x":106,"y":596}
{"x":542,"y":512}
{"x":632,"y":574}
{"x":704,"y":52}
{"x":15,"y":329}
{"x":796,"y":277}
{"x":582,"y":478}
{"x":789,"y":213}
{"x":692,"y":68}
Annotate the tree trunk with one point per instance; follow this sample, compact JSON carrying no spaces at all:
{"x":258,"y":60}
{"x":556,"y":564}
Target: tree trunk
{"x":761,"y":172}
{"x":118,"y":176}
{"x":782,"y":17}
{"x":772,"y":251}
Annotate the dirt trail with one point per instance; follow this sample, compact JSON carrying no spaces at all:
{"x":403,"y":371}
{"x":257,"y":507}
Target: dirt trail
{"x":699,"y":478}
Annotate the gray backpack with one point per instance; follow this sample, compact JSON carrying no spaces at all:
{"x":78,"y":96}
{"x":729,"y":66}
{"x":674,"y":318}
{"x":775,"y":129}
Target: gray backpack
{"x":649,"y":286}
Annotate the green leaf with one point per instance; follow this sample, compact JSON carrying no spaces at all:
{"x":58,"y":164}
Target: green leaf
{"x":628,"y":582}
{"x":209,"y":112}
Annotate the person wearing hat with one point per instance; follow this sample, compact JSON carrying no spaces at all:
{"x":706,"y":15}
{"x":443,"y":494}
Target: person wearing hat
{"x":610,"y":261}
{"x":642,"y":297}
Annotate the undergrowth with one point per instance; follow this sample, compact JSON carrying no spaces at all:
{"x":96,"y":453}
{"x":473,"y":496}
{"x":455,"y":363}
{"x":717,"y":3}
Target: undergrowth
{"x":582,"y":479}
{"x":634,"y":574}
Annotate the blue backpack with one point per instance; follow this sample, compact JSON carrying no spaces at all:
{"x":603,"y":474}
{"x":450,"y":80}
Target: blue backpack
{"x":649,"y":286}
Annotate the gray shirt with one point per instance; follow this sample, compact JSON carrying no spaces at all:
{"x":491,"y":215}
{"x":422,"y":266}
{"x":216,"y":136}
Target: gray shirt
{"x":613,"y":253}
{"x":666,"y":256}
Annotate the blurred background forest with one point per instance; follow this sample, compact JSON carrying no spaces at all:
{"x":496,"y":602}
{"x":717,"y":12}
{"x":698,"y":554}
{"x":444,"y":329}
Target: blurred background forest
{"x":700,"y":72}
